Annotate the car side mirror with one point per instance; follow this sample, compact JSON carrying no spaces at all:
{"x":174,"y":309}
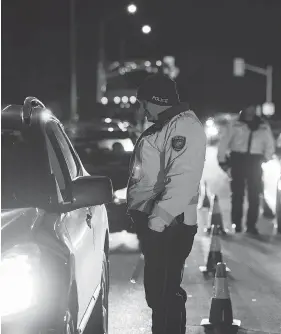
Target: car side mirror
{"x":89,"y":191}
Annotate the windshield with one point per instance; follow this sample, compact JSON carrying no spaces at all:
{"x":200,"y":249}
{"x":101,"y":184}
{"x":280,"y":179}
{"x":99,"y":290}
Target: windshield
{"x":23,"y":176}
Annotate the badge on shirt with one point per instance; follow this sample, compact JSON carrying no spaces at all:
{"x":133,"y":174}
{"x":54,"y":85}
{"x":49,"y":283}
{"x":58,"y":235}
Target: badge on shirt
{"x":178,"y":143}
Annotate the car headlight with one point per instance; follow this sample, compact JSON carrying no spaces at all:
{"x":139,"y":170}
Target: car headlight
{"x":120,"y":196}
{"x":18,"y":279}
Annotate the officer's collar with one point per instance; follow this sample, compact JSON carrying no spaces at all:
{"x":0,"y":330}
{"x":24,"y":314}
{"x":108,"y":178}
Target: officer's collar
{"x":169,"y":113}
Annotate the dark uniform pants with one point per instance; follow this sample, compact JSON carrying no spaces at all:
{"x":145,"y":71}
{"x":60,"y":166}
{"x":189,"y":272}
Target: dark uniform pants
{"x":246,"y":170}
{"x":165,"y":254}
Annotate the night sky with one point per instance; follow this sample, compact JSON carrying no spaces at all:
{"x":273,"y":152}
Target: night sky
{"x":203,"y":35}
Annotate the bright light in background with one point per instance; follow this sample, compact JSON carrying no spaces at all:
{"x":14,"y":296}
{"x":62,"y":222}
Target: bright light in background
{"x":272,"y":168}
{"x":127,"y":105}
{"x":210,"y":122}
{"x":120,"y":196}
{"x":147,"y":63}
{"x":104,"y":100}
{"x":108,"y":120}
{"x":117,"y":99}
{"x":158,"y":63}
{"x":132,"y":8}
{"x":268,"y":109}
{"x":110,"y":129}
{"x":128,"y":145}
{"x":133,"y":99}
{"x":122,"y":71}
{"x":146,"y":29}
{"x":169,"y":60}
{"x":211,"y":131}
{"x":122,"y":126}
{"x":125,"y":99}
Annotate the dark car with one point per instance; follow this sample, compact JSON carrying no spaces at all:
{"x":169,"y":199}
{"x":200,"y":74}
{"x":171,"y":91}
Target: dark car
{"x":105,"y":147}
{"x":55,"y":235}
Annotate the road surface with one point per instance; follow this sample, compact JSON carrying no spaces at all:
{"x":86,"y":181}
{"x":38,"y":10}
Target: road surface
{"x":254,"y":281}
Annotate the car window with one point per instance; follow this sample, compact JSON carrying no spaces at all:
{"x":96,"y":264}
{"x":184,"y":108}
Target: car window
{"x":25,"y":174}
{"x":65,"y":148}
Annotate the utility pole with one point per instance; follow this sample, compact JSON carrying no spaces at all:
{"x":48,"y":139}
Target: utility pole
{"x":101,"y":60}
{"x":269,"y":71}
{"x":239,"y":71}
{"x":73,"y":76}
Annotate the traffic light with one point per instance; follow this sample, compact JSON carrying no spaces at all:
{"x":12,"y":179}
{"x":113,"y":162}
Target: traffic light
{"x":239,"y":67}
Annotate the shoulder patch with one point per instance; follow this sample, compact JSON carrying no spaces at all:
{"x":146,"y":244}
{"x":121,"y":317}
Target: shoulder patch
{"x":178,"y":143}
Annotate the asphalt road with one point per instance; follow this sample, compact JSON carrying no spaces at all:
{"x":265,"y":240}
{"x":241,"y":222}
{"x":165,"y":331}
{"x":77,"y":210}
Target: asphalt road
{"x":254,"y":280}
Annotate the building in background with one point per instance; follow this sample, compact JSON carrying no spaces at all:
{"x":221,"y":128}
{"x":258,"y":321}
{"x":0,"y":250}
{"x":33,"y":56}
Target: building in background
{"x":118,"y":93}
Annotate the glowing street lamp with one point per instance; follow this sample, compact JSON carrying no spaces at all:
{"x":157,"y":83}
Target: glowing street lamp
{"x":132,"y":8}
{"x":146,"y":29}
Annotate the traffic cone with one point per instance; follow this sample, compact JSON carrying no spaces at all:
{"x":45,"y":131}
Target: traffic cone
{"x":215,"y":217}
{"x":215,"y":254}
{"x":206,"y":202}
{"x":221,"y":307}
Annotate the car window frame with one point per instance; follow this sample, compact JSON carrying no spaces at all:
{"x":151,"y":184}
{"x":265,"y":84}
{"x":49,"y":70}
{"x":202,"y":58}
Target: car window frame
{"x":49,"y":129}
{"x":74,"y":154}
{"x":72,"y":150}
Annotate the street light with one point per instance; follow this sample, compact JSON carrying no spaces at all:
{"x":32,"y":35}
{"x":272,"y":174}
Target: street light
{"x":146,"y":29}
{"x":132,"y":8}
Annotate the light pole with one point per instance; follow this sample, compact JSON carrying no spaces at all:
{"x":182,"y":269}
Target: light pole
{"x":73,"y":76}
{"x":239,"y":70}
{"x":131,"y":9}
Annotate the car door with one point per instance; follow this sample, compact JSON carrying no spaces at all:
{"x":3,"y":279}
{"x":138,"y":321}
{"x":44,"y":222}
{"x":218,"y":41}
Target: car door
{"x":82,"y":224}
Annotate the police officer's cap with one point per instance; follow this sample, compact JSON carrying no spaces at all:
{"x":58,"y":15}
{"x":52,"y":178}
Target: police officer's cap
{"x":159,"y":89}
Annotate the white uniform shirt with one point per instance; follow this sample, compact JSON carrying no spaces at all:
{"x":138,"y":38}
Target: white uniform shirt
{"x":166,"y":170}
{"x":236,"y":138}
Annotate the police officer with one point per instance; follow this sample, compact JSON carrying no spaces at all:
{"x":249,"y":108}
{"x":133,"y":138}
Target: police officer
{"x":165,"y":173}
{"x":243,"y":148}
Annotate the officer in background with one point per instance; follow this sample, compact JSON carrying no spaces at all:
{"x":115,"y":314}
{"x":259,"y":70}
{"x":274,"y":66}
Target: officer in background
{"x":243,"y":148}
{"x":165,"y":173}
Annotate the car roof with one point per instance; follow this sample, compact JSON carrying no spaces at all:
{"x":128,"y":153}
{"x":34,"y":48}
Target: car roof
{"x":12,"y":116}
